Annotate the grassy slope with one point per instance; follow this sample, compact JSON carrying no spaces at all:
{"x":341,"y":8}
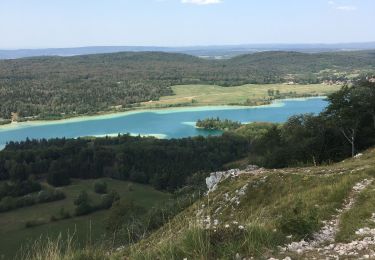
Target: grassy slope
{"x":270,"y":195}
{"x":204,"y":95}
{"x":12,"y":224}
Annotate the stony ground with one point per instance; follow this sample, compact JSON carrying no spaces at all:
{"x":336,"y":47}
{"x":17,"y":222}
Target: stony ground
{"x":323,"y":245}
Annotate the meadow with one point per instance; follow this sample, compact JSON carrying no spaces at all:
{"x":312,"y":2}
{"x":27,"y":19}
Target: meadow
{"x":85,"y":229}
{"x":210,"y":95}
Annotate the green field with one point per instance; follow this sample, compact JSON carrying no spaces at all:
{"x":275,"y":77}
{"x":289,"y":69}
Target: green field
{"x":13,"y":233}
{"x":208,"y":95}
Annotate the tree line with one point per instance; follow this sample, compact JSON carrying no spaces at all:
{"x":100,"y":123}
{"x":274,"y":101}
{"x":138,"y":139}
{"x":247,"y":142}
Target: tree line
{"x":346,"y":127}
{"x":164,"y":164}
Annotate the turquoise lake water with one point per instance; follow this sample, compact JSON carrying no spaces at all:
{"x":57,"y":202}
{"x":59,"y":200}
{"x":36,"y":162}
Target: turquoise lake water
{"x":171,"y":123}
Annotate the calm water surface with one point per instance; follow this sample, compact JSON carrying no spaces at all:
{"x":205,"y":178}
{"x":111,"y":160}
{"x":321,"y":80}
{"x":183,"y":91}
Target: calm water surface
{"x":171,"y":123}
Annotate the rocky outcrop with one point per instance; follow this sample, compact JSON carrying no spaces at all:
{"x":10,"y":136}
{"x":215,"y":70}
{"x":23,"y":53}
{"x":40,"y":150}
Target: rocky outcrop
{"x":217,"y":177}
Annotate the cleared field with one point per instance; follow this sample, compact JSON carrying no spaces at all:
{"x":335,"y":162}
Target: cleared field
{"x":201,"y":95}
{"x":14,"y":234}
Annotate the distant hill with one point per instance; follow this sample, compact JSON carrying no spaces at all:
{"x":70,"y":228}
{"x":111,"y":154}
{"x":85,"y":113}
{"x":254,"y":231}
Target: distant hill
{"x":50,"y":86}
{"x":216,"y":52}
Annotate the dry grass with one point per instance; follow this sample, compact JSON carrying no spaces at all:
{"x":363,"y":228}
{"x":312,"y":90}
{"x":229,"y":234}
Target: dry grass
{"x":61,"y":249}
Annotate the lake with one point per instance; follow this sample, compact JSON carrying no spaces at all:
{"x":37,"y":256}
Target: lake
{"x":167,"y":123}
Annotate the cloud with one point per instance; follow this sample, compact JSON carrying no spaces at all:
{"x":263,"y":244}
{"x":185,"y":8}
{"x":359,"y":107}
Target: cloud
{"x":346,"y":8}
{"x":336,"y":5}
{"x":201,"y":2}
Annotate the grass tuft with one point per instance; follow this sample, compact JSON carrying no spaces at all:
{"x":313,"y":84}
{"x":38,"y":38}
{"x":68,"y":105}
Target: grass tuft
{"x":61,"y":249}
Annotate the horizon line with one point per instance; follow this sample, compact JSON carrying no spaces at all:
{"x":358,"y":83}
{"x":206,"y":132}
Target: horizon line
{"x":190,"y":46}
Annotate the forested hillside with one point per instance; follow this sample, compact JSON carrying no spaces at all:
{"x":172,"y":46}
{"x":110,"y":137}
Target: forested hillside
{"x":121,"y":158}
{"x":52,"y":87}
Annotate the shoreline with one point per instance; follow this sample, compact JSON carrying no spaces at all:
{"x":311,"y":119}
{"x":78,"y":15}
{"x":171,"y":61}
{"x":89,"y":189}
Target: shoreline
{"x":166,"y":110}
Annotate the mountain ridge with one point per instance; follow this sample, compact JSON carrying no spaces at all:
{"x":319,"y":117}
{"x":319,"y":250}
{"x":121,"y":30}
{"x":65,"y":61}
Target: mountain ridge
{"x":214,"y":51}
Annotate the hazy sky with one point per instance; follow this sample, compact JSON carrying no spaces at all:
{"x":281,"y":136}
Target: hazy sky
{"x":72,"y":23}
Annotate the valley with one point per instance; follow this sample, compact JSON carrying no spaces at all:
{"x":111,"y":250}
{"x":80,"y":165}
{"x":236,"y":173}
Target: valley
{"x":187,"y":130}
{"x":88,"y":228}
{"x":110,"y":161}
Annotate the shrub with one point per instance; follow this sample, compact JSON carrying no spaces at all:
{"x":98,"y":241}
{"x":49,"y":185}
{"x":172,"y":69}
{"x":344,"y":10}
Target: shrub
{"x":299,"y":220}
{"x":82,"y":203}
{"x":84,"y":206}
{"x":25,"y":201}
{"x":19,"y":188}
{"x":100,"y":187}
{"x":122,"y":214}
{"x":109,"y":199}
{"x":34,"y":223}
{"x":9,"y":203}
{"x":50,"y":195}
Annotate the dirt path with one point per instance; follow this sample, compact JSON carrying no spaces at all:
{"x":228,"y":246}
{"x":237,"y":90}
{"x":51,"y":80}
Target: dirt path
{"x":323,"y":243}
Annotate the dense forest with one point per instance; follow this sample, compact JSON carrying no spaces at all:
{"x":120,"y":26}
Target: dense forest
{"x":55,"y":87}
{"x":164,"y":164}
